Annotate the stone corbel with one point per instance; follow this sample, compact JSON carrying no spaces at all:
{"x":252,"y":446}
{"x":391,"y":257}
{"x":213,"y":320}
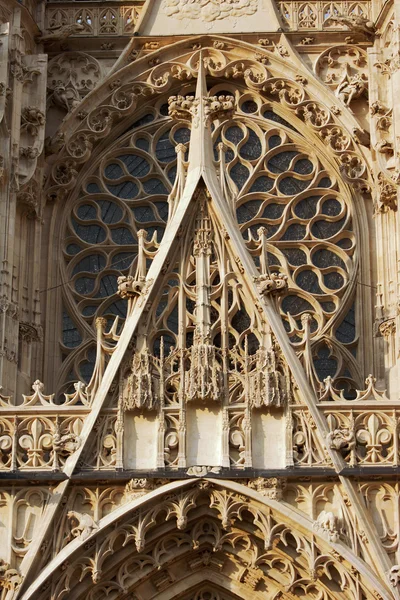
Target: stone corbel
{"x":32,"y":116}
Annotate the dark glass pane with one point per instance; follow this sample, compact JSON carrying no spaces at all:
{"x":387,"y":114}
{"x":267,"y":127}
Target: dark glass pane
{"x":108,"y":286}
{"x":143,"y":214}
{"x":333,"y":281}
{"x":248,"y":211}
{"x":88,"y":311}
{"x":173,"y":320}
{"x":271,"y":116}
{"x":94,"y":263}
{"x":93,"y":234}
{"x":110,"y":212}
{"x":136,"y":165}
{"x":326,"y":229}
{"x":251,"y":150}
{"x":93,"y":188}
{"x":296,"y":305}
{"x":154,"y":186}
{"x":239,"y":173}
{"x":113,"y":171}
{"x":325,"y":182}
{"x":162,"y":209}
{"x":252,"y":344}
{"x":274,"y":141}
{"x":325,"y":365}
{"x":182,"y":135}
{"x":234,"y":134}
{"x":117,"y":308}
{"x":291,"y":186}
{"x":328,"y":306}
{"x":122,"y":260}
{"x":85,"y":285}
{"x":143,"y":144}
{"x":172,"y":174}
{"x":70,"y":334}
{"x":143,"y":121}
{"x":295,"y":256}
{"x":262,"y":184}
{"x":331,"y":207}
{"x":86,"y":367}
{"x":306,"y":208}
{"x":73,"y":248}
{"x":249,"y":106}
{"x":87,"y":212}
{"x":294,"y":232}
{"x":326,"y":258}
{"x":241,"y":321}
{"x":308,"y":281}
{"x":280,"y":162}
{"x":346,"y":332}
{"x":125,"y":190}
{"x":165,"y":151}
{"x":303,"y":166}
{"x":273,"y":211}
{"x":122,"y":235}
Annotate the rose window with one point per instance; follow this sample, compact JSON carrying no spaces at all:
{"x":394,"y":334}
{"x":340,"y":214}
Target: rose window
{"x":293,"y":212}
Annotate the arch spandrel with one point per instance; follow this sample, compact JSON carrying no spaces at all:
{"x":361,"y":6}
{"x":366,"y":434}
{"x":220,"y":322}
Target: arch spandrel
{"x":186,"y":533}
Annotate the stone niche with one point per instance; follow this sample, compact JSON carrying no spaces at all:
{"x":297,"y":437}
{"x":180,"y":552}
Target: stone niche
{"x":140,"y":447}
{"x":204,"y":435}
{"x":268,"y":439}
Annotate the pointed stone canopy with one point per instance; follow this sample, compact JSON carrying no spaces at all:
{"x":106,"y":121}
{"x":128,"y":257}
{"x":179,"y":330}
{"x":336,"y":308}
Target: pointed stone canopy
{"x":196,"y":17}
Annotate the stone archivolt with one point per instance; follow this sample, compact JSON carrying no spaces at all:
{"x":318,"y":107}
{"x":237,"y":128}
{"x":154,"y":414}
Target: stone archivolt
{"x":233,"y":538}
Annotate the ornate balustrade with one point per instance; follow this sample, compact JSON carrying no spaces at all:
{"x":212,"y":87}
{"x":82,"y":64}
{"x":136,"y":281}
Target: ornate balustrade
{"x":116,"y":20}
{"x":314,"y":16}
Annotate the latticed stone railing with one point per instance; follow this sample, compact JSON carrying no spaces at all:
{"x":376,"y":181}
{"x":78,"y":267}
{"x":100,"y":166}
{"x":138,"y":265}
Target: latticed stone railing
{"x":40,"y":435}
{"x":118,"y":19}
{"x":315,"y":16}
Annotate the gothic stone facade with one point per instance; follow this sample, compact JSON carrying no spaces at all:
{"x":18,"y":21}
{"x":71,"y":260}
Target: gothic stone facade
{"x":199,"y":294}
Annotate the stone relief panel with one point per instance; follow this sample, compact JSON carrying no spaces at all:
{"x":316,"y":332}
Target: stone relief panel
{"x":209,"y":10}
{"x":344,"y":70}
{"x":71,"y":76}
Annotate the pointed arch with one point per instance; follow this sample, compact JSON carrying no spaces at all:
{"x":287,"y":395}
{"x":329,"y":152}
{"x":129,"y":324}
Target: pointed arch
{"x":214,"y":531}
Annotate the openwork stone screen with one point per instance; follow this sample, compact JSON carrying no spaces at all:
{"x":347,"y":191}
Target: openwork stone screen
{"x":294,"y":214}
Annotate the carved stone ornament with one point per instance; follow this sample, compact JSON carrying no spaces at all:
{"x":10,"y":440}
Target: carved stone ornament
{"x":202,"y":471}
{"x":271,"y":487}
{"x":395,"y":575}
{"x":71,"y":76}
{"x":328,"y":524}
{"x":130,"y":287}
{"x":344,"y":69}
{"x":59,"y":33}
{"x":387,"y":194}
{"x":10,"y":579}
{"x":273,"y":283}
{"x":209,"y":10}
{"x":356,"y":23}
{"x":339,"y":439}
{"x":135,"y":488}
{"x":83,"y":524}
{"x":31,"y":119}
{"x":186,"y":107}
